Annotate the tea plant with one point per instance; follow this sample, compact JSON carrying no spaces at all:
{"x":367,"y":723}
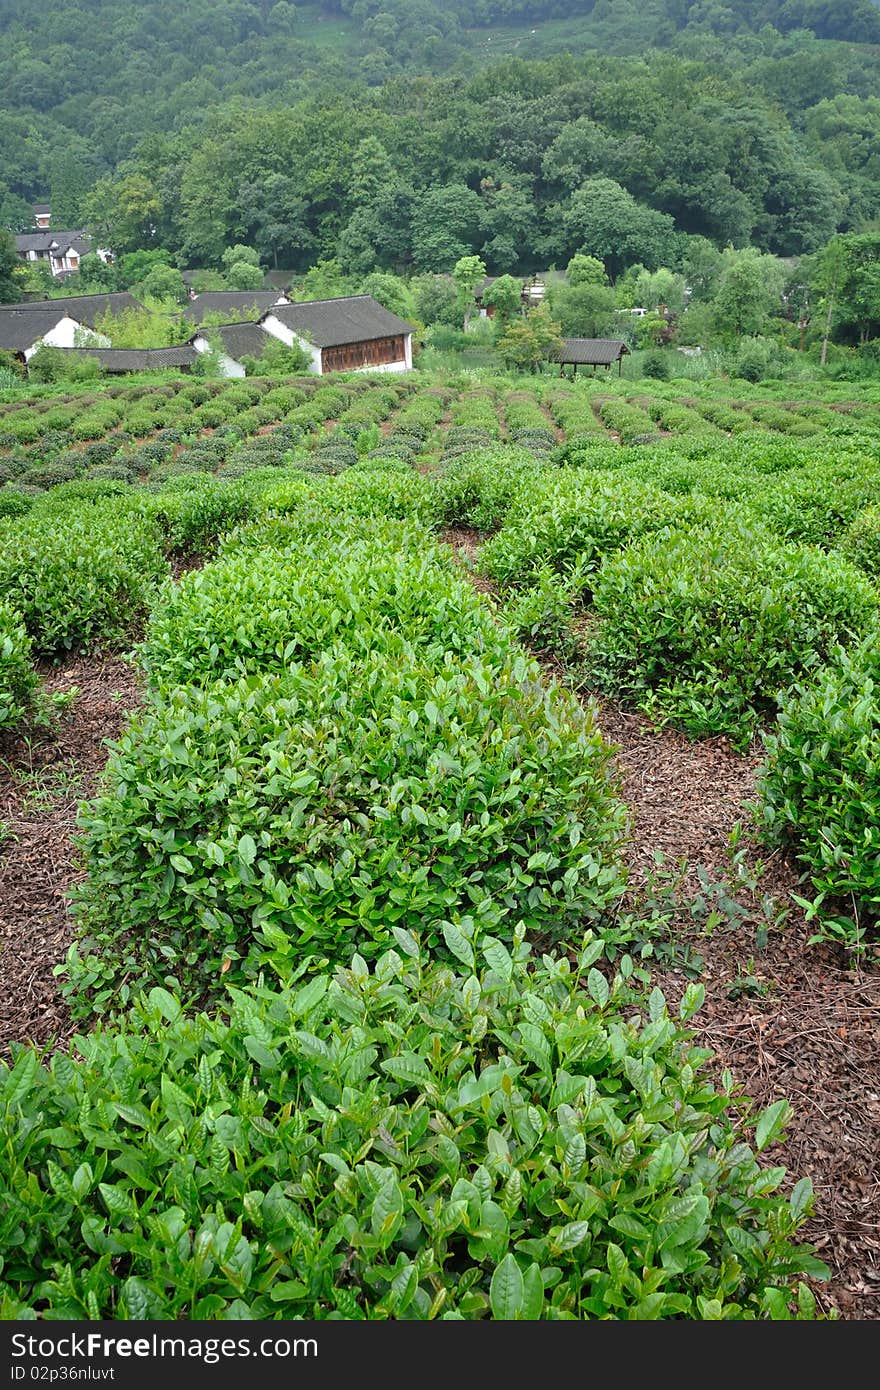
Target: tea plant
{"x":706,"y":628}
{"x":406,"y":1141}
{"x":366,"y":789}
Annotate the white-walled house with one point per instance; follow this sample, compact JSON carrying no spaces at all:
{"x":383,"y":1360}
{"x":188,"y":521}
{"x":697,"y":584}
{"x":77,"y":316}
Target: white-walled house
{"x":350,"y":334}
{"x":253,"y":303}
{"x":24,"y":329}
{"x":236,"y":341}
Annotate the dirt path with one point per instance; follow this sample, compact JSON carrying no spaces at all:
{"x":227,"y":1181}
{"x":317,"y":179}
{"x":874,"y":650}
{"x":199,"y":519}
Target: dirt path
{"x":42,"y":780}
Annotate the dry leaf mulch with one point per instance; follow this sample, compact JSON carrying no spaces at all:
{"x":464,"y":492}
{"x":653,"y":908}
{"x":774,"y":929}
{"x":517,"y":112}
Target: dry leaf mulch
{"x":43,"y":777}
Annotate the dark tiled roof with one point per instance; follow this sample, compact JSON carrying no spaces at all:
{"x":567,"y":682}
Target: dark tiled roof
{"x":332,"y":322}
{"x":20,"y":328}
{"x":591,"y":352}
{"x":49,"y":240}
{"x":254,"y":302}
{"x":86,"y":308}
{"x":34,"y":241}
{"x":138,"y":359}
{"x":41,"y":207}
{"x":239,"y":339}
{"x":483,"y":285}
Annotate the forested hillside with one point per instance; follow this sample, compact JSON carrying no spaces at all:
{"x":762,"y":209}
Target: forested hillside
{"x":206,"y":123}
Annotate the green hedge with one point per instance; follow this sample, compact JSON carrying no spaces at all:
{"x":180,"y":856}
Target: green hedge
{"x":18,"y":679}
{"x":336,"y":800}
{"x":707,"y":627}
{"x":406,"y":1143}
{"x":79,"y":575}
{"x":821,"y":787}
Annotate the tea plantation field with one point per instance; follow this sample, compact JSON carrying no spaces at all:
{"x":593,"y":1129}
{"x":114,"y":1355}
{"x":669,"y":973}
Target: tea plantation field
{"x":362,"y":997}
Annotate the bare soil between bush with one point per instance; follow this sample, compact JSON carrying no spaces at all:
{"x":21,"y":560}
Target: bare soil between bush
{"x":43,"y":777}
{"x":787,"y":1020}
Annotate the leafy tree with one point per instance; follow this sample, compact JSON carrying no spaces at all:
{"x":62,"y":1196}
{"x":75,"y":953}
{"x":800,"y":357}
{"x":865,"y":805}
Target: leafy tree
{"x":436,"y":300}
{"x":607,"y":222}
{"x":273,"y":212}
{"x":585,"y":310}
{"x":9,"y":262}
{"x":240,"y":255}
{"x":446,"y":226}
{"x":749,"y":292}
{"x":96,"y":275}
{"x":133,"y":267}
{"x":529,"y":341}
{"x":244,"y":275}
{"x":324,"y":280}
{"x":392,"y":293}
{"x":585,"y":270}
{"x":164,"y":282}
{"x":122,"y":213}
{"x":505,"y":294}
{"x":467,"y":273}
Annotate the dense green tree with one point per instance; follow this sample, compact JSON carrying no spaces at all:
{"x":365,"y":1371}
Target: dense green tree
{"x":436,"y":300}
{"x":446,"y":225}
{"x":529,"y":341}
{"x":467,"y":273}
{"x":606,"y":221}
{"x":164,"y":282}
{"x":505,"y":296}
{"x":244,"y":275}
{"x":585,"y":270}
{"x":9,"y":280}
{"x":391,"y":291}
{"x":584,"y":310}
{"x":749,"y":291}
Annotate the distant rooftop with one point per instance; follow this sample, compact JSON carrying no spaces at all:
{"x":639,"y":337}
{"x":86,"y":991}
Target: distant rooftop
{"x":356,"y":318}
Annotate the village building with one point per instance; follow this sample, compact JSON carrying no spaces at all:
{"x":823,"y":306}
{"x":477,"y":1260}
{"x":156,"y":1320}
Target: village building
{"x":591,"y":352}
{"x":120,"y":360}
{"x":350,"y":334}
{"x":84,"y":309}
{"x":234,"y":342}
{"x":42,"y":216}
{"x":25,"y":328}
{"x":61,"y":252}
{"x":246,"y":304}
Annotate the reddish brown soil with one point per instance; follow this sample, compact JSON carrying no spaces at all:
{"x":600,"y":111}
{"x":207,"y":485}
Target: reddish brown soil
{"x":42,"y":779}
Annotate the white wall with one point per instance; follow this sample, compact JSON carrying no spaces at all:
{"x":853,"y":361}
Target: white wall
{"x":276,"y":329}
{"x":228,"y":365}
{"x":67,"y":333}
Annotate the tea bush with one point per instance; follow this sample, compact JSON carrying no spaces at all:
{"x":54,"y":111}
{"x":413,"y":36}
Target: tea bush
{"x":860,"y":544}
{"x":405,"y":1142}
{"x":820,"y":790}
{"x":82,"y":581}
{"x":334,"y":800}
{"x":18,"y":679}
{"x":258,"y":610}
{"x":706,"y":628}
{"x":567,"y":521}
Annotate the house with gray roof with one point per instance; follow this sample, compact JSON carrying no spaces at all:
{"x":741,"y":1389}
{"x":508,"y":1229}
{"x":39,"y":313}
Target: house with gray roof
{"x":118,"y":360}
{"x":234,"y":342}
{"x":60,"y":251}
{"x":24,"y":328}
{"x":88,"y":308}
{"x":353,"y":333}
{"x":243,"y":304}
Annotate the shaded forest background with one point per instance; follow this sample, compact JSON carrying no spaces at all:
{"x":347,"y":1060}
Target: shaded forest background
{"x":402,"y":134}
